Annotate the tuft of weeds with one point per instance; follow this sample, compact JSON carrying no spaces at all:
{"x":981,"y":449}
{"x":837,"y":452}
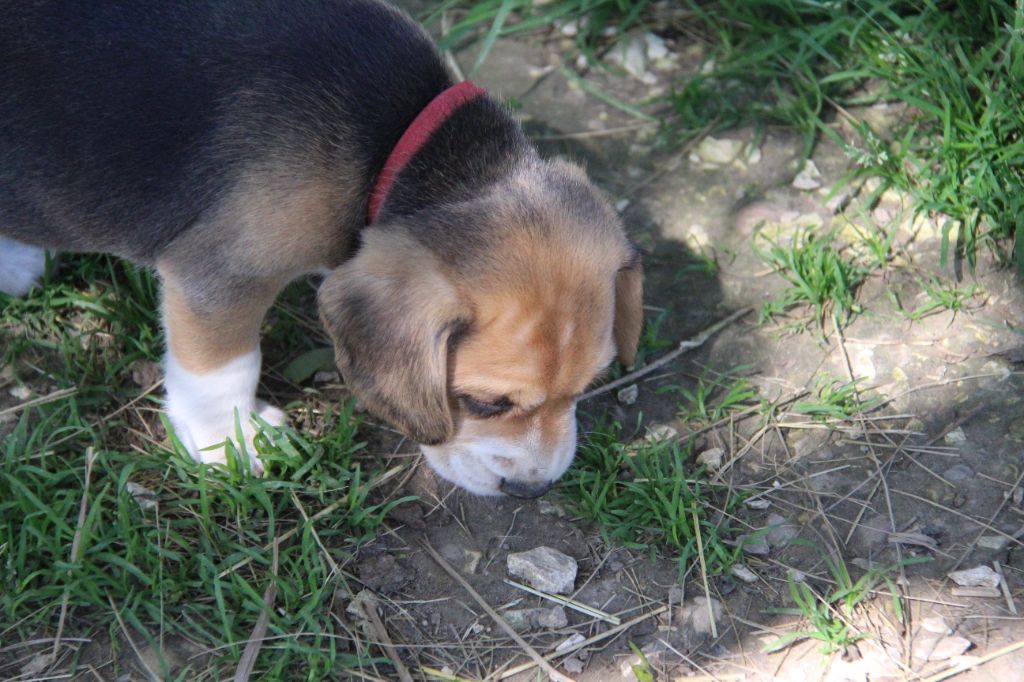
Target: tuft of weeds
{"x":506,"y":17}
{"x":835,"y":399}
{"x":829,"y":614}
{"x":952,"y":68}
{"x":941,"y":296}
{"x":712,"y":399}
{"x":644,"y":496}
{"x":819,"y":276}
{"x":171,"y":548}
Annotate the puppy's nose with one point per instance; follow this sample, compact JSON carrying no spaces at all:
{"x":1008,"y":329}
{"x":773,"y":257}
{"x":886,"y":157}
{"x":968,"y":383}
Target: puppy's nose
{"x":525,"y":489}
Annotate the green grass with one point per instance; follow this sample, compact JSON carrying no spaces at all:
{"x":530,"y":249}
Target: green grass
{"x":159,"y":535}
{"x":941,"y":296}
{"x":955,"y":67}
{"x":644,"y":496}
{"x":834,"y":399}
{"x":829,"y":612}
{"x":819,"y":275}
{"x":711,"y":399}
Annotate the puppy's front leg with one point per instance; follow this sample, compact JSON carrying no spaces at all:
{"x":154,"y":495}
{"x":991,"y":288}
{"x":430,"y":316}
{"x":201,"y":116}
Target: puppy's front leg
{"x":213,"y":365}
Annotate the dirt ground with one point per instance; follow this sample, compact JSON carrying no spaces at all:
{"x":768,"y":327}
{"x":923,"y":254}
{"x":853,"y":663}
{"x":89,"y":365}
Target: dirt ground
{"x":934,"y":474}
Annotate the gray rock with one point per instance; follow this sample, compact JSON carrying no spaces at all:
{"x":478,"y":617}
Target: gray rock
{"x":979,"y":576}
{"x":949,"y":647}
{"x":545,"y":568}
{"x":958,"y":473}
{"x":808,"y":178}
{"x":756,"y":546}
{"x":553,"y":618}
{"x":781,"y":531}
{"x":995,"y":542}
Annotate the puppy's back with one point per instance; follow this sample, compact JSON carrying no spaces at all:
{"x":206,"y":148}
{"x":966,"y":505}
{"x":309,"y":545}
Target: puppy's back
{"x":125,"y":121}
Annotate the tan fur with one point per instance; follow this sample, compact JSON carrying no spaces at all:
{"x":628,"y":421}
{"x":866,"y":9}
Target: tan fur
{"x":629,"y":311}
{"x":391,"y":311}
{"x":203,"y":341}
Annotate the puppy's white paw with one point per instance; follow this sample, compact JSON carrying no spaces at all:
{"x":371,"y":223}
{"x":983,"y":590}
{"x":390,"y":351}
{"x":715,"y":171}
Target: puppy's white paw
{"x":21,"y":266}
{"x":203,"y":409}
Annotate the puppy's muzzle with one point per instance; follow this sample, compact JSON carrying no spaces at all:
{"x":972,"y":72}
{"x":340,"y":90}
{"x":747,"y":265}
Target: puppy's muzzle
{"x":524,"y":489}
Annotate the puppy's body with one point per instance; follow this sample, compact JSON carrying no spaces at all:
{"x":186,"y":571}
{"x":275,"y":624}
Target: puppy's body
{"x":233,"y":146}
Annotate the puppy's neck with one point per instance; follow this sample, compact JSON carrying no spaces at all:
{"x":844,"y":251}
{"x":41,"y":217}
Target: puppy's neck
{"x":477,"y":145}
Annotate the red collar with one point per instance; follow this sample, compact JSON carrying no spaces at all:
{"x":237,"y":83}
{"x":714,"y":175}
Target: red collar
{"x":415,"y":136}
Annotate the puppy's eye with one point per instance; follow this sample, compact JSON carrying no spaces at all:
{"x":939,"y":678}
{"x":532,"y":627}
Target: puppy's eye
{"x":485,"y":408}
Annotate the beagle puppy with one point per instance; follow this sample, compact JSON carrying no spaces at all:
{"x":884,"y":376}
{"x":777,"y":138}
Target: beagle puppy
{"x":472,"y":289}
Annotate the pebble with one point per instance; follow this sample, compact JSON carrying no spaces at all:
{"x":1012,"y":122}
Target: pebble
{"x":979,"y":576}
{"x":943,"y":650}
{"x":957,"y":435}
{"x":958,"y":473}
{"x":936,"y":625}
{"x":696,"y":614}
{"x":718,"y":151}
{"x":711,"y":458}
{"x":628,"y":395}
{"x":781,"y":531}
{"x":743,"y":573}
{"x":544,"y":568}
{"x":573,"y":665}
{"x":569,"y":642}
{"x":146,"y":498}
{"x":809,"y":177}
{"x":993,"y":542}
{"x":756,"y":547}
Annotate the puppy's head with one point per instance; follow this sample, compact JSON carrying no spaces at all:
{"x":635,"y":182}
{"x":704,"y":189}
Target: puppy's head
{"x":474,"y":328}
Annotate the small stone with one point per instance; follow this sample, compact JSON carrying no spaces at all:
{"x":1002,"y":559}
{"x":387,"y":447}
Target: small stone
{"x":146,"y":498}
{"x":741,"y":572}
{"x":993,"y":542}
{"x":573,"y":665}
{"x":549,"y":508}
{"x":697,"y":615}
{"x":979,"y":576}
{"x":570,"y":641}
{"x":958,"y":473}
{"x":809,"y":177}
{"x":656,"y":48}
{"x":145,"y":373}
{"x":621,"y":205}
{"x":553,"y":619}
{"x":711,"y":458}
{"x":327,"y":376}
{"x":570,"y":29}
{"x":660,"y":433}
{"x":936,"y":625}
{"x":756,"y":546}
{"x":948,"y":647}
{"x":753,"y":155}
{"x":631,"y":56}
{"x":520,"y":620}
{"x":628,"y":395}
{"x":21,"y":392}
{"x":757,"y":503}
{"x":957,"y":435}
{"x":544,"y":568}
{"x":718,"y":151}
{"x":781,"y":531}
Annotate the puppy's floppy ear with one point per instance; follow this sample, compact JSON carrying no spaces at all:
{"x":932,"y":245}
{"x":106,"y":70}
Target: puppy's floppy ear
{"x":390,"y":311}
{"x":629,"y":308}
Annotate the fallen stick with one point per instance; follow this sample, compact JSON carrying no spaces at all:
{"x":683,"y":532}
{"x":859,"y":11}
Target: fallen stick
{"x":683,"y":347}
{"x":537,"y":658}
{"x":585,"y":643}
{"x":964,"y":666}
